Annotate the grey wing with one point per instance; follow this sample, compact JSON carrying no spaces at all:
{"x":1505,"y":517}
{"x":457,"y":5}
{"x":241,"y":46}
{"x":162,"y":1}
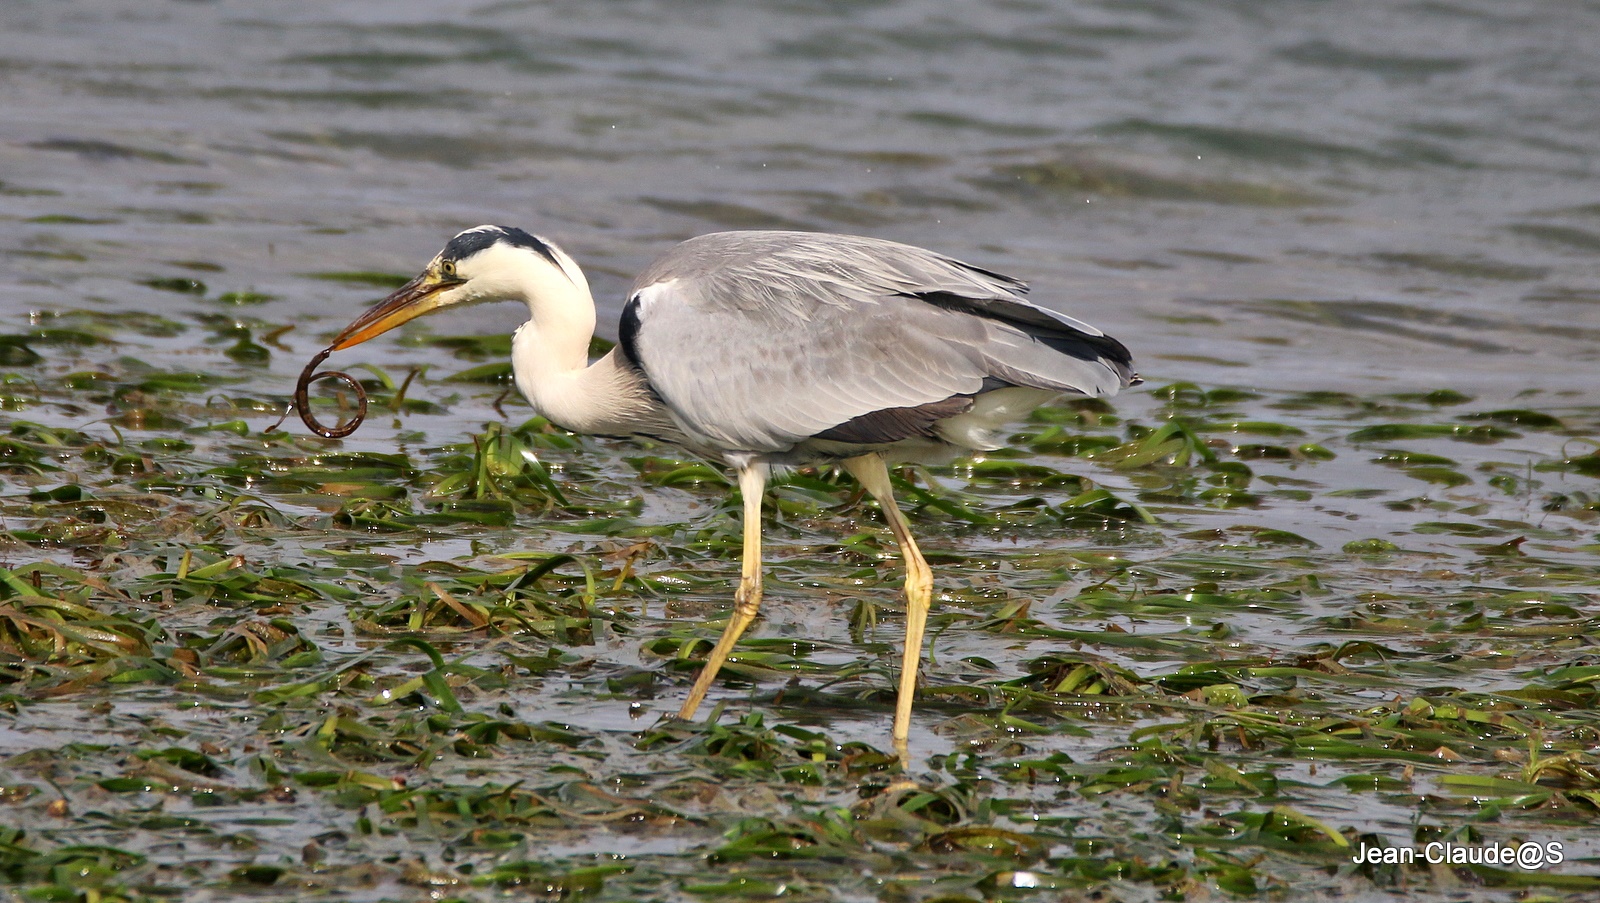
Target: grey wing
{"x":757,"y":341}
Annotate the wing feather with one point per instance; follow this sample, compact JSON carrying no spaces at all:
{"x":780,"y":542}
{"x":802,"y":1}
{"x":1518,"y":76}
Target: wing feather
{"x":757,"y":341}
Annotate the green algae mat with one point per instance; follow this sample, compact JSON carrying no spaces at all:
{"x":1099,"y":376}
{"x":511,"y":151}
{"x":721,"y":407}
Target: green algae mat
{"x":1205,"y":642}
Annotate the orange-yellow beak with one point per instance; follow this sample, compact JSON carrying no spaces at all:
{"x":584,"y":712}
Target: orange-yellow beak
{"x":409,"y":301}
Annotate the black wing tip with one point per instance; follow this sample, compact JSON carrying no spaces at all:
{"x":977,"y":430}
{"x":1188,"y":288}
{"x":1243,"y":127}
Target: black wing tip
{"x":1112,"y":350}
{"x":1044,"y":325}
{"x":1115,"y":355}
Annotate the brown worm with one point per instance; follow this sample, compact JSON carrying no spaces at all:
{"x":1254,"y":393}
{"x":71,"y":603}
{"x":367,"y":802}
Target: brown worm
{"x":302,"y":399}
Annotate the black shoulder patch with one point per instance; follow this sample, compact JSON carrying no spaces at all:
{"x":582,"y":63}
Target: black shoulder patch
{"x":628,"y":344}
{"x":628,"y":331}
{"x":472,"y":241}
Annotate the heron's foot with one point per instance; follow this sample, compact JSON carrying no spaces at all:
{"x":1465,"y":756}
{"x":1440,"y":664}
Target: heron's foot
{"x":901,"y":785}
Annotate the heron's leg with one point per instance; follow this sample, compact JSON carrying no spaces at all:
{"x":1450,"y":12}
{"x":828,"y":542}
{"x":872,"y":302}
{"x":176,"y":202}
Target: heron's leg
{"x":747,"y":599}
{"x":873,"y":475}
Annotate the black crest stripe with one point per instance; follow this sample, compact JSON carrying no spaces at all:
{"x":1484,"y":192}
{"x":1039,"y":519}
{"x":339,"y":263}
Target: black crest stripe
{"x":469,"y":243}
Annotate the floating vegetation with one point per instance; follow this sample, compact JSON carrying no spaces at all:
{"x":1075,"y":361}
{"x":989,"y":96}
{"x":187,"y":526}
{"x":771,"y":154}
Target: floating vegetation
{"x":1203,"y":641}
{"x":1467,"y":267}
{"x":363,"y":277}
{"x":183,"y":285}
{"x":244,"y":298}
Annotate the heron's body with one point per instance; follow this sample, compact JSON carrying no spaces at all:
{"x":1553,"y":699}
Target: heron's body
{"x":780,"y":348}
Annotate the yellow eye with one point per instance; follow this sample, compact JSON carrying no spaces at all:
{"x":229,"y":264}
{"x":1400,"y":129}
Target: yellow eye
{"x":447,"y":269}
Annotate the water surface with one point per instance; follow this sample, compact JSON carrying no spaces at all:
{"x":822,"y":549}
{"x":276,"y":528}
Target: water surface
{"x":1316,"y":194}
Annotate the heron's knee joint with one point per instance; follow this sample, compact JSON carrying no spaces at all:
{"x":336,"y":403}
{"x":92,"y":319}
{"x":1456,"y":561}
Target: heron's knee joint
{"x":747,"y":600}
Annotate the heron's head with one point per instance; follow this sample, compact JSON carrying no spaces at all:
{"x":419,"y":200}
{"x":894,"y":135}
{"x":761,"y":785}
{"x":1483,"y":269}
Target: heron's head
{"x":485,"y":263}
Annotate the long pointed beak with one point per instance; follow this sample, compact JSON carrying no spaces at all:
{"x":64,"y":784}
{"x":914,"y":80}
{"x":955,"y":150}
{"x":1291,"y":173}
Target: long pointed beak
{"x":409,"y":301}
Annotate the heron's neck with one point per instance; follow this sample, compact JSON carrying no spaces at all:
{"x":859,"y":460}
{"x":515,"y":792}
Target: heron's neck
{"x":560,"y":325}
{"x":550,"y":359}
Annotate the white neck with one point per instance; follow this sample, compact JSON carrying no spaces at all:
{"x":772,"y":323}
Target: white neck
{"x":550,"y":359}
{"x":561,"y":322}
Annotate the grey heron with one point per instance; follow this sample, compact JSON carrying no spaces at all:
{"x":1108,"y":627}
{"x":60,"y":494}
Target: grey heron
{"x":765,"y":349}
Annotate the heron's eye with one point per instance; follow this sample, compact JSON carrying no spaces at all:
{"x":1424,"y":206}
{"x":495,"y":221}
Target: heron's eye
{"x":447,"y":269}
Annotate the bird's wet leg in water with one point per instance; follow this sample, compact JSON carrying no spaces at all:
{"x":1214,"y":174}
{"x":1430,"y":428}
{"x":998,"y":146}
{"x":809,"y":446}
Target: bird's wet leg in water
{"x":747,"y":598}
{"x":871,"y":472}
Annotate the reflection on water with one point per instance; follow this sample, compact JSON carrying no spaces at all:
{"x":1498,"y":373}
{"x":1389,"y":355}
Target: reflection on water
{"x":1292,"y":188}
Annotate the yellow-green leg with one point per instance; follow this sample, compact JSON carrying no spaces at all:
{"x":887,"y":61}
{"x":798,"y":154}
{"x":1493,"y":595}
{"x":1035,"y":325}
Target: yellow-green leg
{"x":871,"y":472}
{"x":747,"y":599}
